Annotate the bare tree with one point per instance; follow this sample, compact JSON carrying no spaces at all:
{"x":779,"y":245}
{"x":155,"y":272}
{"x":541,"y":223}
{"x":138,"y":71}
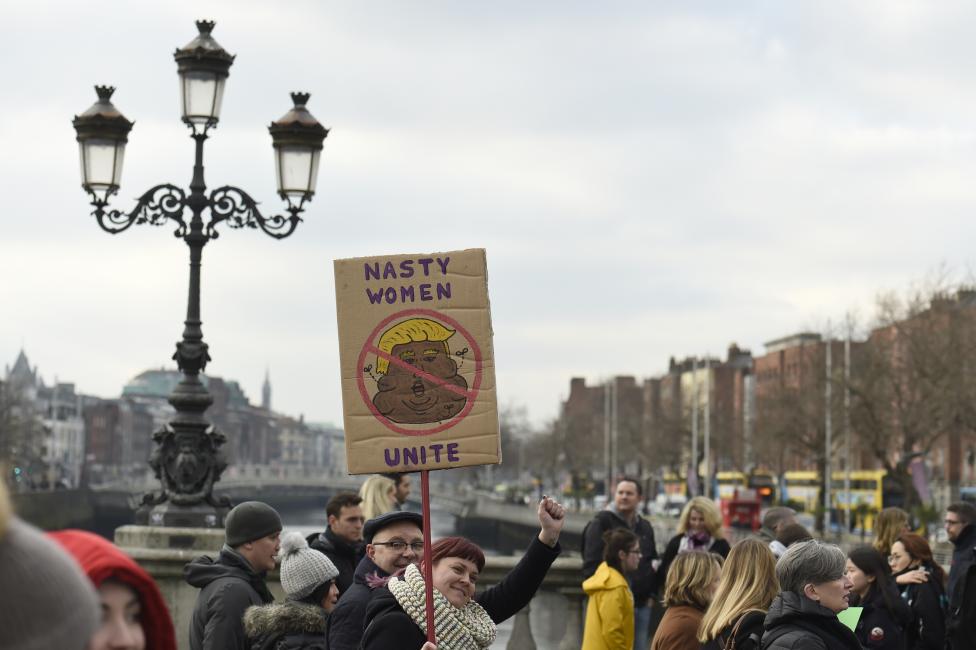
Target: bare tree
{"x":913,"y":385}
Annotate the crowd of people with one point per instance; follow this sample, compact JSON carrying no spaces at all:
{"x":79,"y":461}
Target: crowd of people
{"x":360,"y":584}
{"x":779,"y":589}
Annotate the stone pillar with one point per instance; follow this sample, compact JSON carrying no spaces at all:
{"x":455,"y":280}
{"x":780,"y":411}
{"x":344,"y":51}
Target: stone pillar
{"x":521,"y":638}
{"x":573,"y":639}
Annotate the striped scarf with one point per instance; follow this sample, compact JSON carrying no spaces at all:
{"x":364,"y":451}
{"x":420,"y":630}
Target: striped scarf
{"x":469,"y":628}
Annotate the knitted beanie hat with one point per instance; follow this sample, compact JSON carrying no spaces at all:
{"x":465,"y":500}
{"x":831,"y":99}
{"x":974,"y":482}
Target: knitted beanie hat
{"x":303,"y":569}
{"x":45,"y":599}
{"x":249,"y":521}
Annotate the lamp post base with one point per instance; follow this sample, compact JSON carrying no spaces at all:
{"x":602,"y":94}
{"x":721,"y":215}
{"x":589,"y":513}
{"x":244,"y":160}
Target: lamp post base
{"x":171,"y":515}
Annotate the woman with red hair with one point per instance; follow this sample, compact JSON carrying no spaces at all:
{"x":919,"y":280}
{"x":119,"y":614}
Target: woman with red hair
{"x":134,"y":614}
{"x":396,"y":617}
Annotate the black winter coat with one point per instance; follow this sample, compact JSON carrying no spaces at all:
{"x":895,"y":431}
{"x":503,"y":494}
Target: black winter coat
{"x":748,"y":634}
{"x":346,"y":627}
{"x":720,"y":546}
{"x":286,"y":626}
{"x":798,"y":623}
{"x":927,"y":602}
{"x":961,"y":620}
{"x":962,"y":557}
{"x":388,"y":627}
{"x":228,"y":586}
{"x":880,"y":628}
{"x":344,"y":556}
{"x":642,"y":582}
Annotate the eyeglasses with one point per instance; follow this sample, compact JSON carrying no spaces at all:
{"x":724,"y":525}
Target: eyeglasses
{"x":400,"y":546}
{"x":951,"y":522}
{"x":637,"y":552}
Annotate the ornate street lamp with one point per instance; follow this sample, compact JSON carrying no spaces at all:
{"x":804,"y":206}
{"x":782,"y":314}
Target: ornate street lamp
{"x":188,"y":459}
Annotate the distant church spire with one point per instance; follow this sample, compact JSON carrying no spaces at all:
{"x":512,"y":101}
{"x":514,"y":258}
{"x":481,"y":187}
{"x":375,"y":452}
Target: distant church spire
{"x":266,"y":392}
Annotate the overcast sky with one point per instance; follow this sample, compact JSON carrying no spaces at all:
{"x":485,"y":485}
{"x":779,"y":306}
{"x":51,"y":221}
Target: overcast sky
{"x":649,"y":179}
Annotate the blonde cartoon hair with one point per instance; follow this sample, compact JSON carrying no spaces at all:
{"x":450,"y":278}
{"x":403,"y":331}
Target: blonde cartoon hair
{"x":709,"y":512}
{"x":377,"y":495}
{"x":413,"y":329}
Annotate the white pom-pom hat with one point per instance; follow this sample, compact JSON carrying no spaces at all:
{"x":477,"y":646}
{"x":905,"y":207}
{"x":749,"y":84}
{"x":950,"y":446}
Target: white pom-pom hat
{"x":303,"y":569}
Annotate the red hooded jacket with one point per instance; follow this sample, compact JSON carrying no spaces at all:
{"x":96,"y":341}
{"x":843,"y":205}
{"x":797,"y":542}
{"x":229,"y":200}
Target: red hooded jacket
{"x":101,"y":560}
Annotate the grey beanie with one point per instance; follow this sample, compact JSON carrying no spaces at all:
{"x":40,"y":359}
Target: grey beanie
{"x":46,"y":600}
{"x":249,"y":521}
{"x":303,"y":569}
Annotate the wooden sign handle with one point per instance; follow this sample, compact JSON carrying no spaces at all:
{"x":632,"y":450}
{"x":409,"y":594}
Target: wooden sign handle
{"x":428,"y":569}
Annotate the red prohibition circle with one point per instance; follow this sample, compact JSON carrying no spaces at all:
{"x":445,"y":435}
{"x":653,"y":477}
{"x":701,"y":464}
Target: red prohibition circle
{"x":475,"y":385}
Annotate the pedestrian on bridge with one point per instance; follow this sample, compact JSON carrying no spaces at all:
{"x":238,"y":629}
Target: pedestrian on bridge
{"x":734,"y":618}
{"x":960,"y":525}
{"x":235,"y":580}
{"x":395,"y":542}
{"x":134,"y":614}
{"x":691,"y":584}
{"x":815,"y":588}
{"x":342,"y":540}
{"x":378,"y":495}
{"x":927,"y":599}
{"x":623,"y":512}
{"x":401,"y":491}
{"x":301,"y":622}
{"x":610,"y":608}
{"x":699,"y":529}
{"x":45,"y":599}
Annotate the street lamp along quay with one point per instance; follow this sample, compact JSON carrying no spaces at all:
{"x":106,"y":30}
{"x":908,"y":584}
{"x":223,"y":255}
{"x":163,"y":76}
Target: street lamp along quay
{"x":187,"y":458}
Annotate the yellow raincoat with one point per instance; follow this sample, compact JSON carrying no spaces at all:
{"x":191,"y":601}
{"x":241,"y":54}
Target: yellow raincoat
{"x":610,"y":611}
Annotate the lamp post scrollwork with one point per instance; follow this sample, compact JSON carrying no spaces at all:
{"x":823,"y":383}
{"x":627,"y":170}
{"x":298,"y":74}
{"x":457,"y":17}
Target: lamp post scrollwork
{"x":187,"y":458}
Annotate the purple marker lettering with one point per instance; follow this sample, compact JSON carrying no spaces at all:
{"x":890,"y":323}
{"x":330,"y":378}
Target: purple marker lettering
{"x":436,"y":449}
{"x":452,"y":452}
{"x":375,"y":298}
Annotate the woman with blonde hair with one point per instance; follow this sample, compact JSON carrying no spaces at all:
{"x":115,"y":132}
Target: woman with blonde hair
{"x":747,"y":588}
{"x":699,"y":529}
{"x":888,"y":525}
{"x":689,"y":589}
{"x":378,"y":497}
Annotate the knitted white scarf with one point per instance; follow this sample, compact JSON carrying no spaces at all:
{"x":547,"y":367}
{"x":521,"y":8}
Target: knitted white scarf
{"x":469,"y":628}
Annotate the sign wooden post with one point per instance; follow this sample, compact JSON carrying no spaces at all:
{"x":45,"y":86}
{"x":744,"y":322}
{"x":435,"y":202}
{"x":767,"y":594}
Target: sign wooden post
{"x":418,"y":369}
{"x":428,"y":565}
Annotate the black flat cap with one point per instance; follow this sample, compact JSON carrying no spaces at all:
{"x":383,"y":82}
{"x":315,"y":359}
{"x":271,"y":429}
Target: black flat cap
{"x":376,"y":524}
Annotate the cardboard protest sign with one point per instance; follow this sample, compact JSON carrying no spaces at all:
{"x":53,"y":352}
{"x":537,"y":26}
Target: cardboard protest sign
{"x":415,"y":351}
